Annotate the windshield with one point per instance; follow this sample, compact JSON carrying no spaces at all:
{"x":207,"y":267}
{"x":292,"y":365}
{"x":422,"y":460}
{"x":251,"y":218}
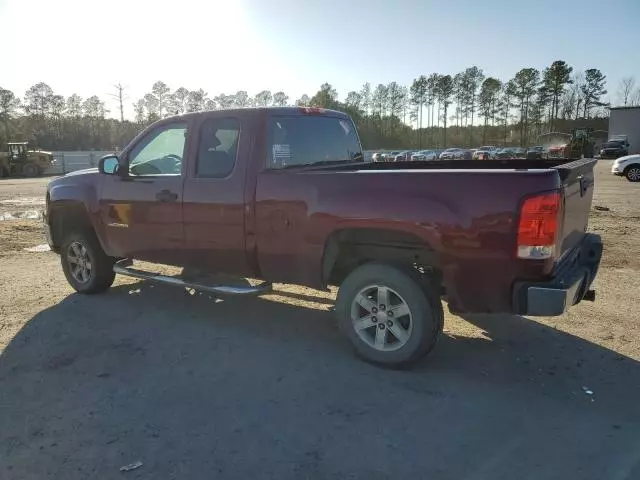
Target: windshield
{"x":312,"y":140}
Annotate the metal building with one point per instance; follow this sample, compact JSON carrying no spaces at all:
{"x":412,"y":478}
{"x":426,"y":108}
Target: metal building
{"x":626,"y":121}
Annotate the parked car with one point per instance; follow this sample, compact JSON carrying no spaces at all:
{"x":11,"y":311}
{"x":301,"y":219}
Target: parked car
{"x":423,"y":155}
{"x":291,"y":200}
{"x":613,"y":149}
{"x":391,"y":156}
{"x":377,"y":157}
{"x":490,"y":148}
{"x":482,"y":154}
{"x":520,"y":152}
{"x":628,"y":166}
{"x":404,"y":156}
{"x":505,"y":153}
{"x":463,"y":154}
{"x":556,"y":151}
{"x":448,"y":154}
{"x":535,"y":153}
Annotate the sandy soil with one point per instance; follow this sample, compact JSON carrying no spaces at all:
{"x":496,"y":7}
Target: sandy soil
{"x":195,"y":386}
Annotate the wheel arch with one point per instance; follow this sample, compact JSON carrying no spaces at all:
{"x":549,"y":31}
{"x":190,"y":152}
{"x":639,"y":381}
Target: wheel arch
{"x":348,"y":248}
{"x":67,"y":216}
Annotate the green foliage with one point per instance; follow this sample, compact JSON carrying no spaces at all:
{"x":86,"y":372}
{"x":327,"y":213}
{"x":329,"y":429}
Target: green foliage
{"x":434,"y":111}
{"x":593,"y":89}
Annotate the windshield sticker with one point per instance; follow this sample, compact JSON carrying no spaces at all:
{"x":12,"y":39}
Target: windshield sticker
{"x":281,"y":154}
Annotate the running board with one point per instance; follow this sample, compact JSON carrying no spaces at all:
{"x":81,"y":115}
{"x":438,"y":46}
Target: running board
{"x":123,"y":267}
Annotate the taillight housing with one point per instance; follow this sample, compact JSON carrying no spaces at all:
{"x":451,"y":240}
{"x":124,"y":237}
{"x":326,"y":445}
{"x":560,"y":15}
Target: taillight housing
{"x":312,"y":110}
{"x":539,"y":226}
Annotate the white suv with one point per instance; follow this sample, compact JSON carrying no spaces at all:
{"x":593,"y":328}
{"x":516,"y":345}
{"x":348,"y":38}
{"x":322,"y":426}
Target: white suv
{"x":628,"y":166}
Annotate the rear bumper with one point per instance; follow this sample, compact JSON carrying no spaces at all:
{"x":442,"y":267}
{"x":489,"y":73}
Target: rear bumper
{"x":571,"y":283}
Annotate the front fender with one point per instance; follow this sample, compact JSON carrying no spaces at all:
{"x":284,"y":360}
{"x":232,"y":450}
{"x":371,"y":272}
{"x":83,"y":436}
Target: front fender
{"x":78,"y":200}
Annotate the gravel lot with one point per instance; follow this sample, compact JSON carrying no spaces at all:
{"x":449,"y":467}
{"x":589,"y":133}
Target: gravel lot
{"x":197,"y":387}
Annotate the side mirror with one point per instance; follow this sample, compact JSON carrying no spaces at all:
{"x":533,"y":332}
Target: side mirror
{"x":108,"y":165}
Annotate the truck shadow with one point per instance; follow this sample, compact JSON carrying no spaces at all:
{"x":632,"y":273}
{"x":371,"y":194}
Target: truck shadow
{"x":192,"y":384}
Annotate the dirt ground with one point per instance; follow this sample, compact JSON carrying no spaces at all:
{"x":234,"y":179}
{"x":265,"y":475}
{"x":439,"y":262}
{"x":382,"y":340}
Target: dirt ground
{"x":198,"y":387}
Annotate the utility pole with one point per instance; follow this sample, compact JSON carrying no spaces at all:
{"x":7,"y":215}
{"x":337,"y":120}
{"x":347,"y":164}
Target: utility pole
{"x":120,"y":96}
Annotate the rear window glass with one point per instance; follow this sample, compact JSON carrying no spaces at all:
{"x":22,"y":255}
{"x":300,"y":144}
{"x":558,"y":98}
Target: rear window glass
{"x":308,"y":140}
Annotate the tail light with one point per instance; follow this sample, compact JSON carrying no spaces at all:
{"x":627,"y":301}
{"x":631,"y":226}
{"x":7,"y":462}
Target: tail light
{"x":312,"y":110}
{"x":539,"y":226}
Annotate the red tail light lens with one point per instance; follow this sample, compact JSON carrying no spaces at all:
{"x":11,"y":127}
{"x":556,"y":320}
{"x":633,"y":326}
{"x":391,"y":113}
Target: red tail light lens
{"x":539,"y":226}
{"x":312,"y":110}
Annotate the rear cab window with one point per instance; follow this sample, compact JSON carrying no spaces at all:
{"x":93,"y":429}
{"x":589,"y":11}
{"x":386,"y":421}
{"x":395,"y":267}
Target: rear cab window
{"x":305,"y":140}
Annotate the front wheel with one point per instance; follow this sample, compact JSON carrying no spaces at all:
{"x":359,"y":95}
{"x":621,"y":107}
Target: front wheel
{"x":633,"y":173}
{"x":391,"y":315}
{"x":87,"y":268}
{"x":31,"y":170}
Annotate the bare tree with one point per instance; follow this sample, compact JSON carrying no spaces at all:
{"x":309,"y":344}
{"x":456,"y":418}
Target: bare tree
{"x":625,"y":90}
{"x":120,"y":97}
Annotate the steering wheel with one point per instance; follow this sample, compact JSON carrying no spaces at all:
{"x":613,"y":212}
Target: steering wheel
{"x":177,"y":166}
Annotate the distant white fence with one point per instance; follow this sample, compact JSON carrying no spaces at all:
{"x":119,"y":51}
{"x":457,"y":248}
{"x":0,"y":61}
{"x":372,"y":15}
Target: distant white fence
{"x":71,"y":161}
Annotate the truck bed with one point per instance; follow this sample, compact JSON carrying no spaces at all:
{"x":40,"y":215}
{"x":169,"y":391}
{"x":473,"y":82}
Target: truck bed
{"x":566,"y":167}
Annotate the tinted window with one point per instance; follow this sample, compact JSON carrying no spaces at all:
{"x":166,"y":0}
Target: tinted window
{"x":160,"y":152}
{"x":218,"y":147}
{"x":304,"y":140}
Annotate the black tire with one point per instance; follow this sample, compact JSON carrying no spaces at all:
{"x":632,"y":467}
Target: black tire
{"x":30,"y":170}
{"x":426,"y":314}
{"x":101,"y":275}
{"x":632,"y":172}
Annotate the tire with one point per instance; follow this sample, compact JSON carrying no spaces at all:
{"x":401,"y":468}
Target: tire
{"x":633,"y":173}
{"x":408,"y":337}
{"x":85,"y":245}
{"x":30,"y":170}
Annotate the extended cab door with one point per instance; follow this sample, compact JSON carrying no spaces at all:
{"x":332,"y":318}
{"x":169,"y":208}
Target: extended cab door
{"x":216,"y":201}
{"x":141,"y":208}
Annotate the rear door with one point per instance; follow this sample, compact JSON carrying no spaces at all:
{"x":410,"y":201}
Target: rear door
{"x":214,"y":195}
{"x":578,"y":184}
{"x":142,"y":210}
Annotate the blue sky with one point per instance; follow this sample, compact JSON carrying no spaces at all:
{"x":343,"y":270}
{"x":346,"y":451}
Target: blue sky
{"x":295,"y":45}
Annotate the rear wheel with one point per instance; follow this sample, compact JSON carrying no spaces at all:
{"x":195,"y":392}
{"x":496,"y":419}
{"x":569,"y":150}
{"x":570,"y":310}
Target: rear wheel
{"x":633,"y":173}
{"x":391,"y":316}
{"x":30,"y":170}
{"x":87,"y":268}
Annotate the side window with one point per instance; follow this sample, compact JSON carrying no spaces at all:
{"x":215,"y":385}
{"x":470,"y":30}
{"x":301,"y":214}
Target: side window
{"x":309,"y":140}
{"x":218,"y":147}
{"x":160,"y":152}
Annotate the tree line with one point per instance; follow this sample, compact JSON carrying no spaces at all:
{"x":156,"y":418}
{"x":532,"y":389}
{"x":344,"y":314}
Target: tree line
{"x":436,"y":110}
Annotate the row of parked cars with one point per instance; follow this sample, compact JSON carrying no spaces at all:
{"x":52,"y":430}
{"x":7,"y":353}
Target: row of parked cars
{"x":486,"y":152}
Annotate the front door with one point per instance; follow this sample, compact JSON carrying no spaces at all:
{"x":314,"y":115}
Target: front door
{"x":142,"y":209}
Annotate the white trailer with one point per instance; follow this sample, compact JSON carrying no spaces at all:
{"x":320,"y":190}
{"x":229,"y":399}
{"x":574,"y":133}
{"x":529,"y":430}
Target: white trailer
{"x":626,"y":121}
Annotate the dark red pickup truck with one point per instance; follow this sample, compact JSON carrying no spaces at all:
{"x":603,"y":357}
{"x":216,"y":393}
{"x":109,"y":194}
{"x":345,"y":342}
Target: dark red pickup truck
{"x":284,"y":195}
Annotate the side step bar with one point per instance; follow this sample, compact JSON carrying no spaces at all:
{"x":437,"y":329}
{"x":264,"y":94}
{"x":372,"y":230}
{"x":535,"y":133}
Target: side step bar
{"x":123,"y":267}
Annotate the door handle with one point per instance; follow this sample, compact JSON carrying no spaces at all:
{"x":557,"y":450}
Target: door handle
{"x":166,"y":196}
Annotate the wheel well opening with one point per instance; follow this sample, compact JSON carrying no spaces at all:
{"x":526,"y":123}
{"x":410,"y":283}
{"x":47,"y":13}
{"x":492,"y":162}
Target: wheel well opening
{"x":348,"y":249}
{"x":67,"y":219}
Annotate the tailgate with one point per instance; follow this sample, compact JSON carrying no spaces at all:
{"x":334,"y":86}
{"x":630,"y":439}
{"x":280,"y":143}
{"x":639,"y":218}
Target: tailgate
{"x":578,"y":183}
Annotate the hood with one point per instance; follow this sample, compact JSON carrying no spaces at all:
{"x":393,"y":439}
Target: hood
{"x":85,"y":171}
{"x":627,"y":158}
